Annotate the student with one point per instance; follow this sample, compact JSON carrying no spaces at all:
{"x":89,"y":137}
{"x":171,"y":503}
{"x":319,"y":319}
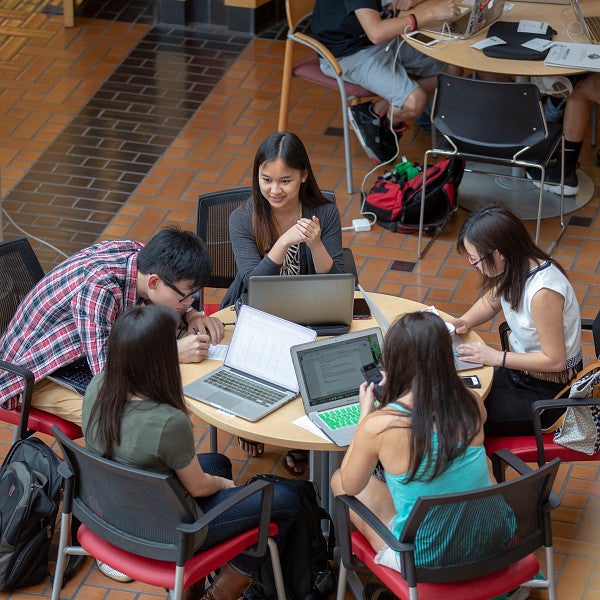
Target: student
{"x":70,"y":312}
{"x":134,"y":413}
{"x":576,"y":122}
{"x":287,"y":228}
{"x":540,"y":307}
{"x":360,"y":35}
{"x":426,"y":431}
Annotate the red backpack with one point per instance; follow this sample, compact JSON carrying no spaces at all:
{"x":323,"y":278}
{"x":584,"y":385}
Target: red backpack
{"x":396,"y":201}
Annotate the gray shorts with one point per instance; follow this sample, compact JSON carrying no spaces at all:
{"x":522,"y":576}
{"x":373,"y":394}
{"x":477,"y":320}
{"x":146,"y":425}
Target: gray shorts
{"x":387,"y":73}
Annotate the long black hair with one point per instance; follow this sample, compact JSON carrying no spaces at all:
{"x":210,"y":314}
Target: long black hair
{"x":418,"y":359}
{"x":288,"y":147}
{"x":141,"y":361}
{"x":493,"y":227}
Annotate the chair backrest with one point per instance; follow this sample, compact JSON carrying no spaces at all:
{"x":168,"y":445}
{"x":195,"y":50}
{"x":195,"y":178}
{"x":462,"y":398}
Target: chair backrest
{"x":461,"y":536}
{"x":20,"y":270}
{"x":296,"y":10}
{"x":130,"y":508}
{"x":213,"y":227}
{"x":475,"y":111}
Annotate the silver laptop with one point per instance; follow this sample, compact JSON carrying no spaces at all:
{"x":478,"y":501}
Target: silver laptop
{"x":75,"y":376}
{"x":589,"y":23}
{"x":480,"y":16}
{"x":322,"y":302}
{"x":257,"y":375}
{"x":329,"y":375}
{"x":384,"y":323}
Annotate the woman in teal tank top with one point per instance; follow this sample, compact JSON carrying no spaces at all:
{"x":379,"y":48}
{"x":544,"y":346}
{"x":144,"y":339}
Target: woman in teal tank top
{"x":427,"y":431}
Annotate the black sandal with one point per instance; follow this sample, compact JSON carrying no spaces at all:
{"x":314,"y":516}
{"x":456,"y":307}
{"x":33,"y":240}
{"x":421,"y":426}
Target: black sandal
{"x":299,"y":460}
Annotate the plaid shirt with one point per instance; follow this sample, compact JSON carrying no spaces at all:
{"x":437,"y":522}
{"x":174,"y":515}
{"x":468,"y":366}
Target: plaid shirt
{"x":69,"y":314}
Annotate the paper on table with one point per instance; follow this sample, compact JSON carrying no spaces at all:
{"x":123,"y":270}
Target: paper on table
{"x":307,"y":424}
{"x":217,"y":351}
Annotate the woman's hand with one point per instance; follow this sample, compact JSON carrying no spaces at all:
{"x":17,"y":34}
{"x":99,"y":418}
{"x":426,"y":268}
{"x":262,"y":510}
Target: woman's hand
{"x":366,"y":399}
{"x":480,"y":352}
{"x":461,"y":325}
{"x":223,"y":482}
{"x":309,"y":230}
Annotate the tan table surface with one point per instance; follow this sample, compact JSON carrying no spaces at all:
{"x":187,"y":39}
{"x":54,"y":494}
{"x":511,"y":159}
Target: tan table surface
{"x":277,"y":428}
{"x":460,"y":53}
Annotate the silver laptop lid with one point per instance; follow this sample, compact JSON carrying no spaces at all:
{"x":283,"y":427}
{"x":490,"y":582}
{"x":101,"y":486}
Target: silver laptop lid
{"x":329,"y":371}
{"x":305,"y":299}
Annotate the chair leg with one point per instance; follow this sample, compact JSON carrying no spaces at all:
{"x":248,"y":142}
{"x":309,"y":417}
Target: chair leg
{"x":594,"y":123}
{"x":286,"y":82}
{"x":563,"y":227}
{"x":69,"y":13}
{"x":550,"y":576}
{"x":277,"y":576}
{"x":342,"y":578}
{"x":65,"y":528}
{"x":347,"y":150}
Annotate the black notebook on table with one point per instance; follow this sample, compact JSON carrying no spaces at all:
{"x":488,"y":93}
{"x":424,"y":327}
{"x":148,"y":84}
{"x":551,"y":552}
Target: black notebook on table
{"x":514,"y":49}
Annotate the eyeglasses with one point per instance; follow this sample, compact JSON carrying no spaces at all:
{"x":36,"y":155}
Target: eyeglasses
{"x":183,"y":295}
{"x":474,"y":263}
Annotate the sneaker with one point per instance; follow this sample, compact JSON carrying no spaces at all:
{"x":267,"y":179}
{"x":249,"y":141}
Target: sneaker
{"x":376,"y":139}
{"x":552,"y":181}
{"x":113,"y":573}
{"x":559,"y":86}
{"x":554,"y":109}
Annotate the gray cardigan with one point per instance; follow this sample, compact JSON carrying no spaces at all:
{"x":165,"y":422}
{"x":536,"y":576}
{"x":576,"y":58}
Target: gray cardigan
{"x":250,"y":262}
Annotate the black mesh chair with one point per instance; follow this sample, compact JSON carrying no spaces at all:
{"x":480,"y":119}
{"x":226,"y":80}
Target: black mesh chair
{"x":137,"y":522}
{"x":20,"y":271}
{"x":471,"y":115}
{"x":540,"y":447}
{"x":473,"y":546}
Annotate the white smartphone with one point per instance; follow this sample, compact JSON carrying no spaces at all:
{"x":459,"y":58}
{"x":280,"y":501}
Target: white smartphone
{"x":422,"y":38}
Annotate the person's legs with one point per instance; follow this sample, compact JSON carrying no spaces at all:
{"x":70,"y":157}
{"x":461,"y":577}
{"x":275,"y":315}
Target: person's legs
{"x":57,"y":400}
{"x":376,"y":496}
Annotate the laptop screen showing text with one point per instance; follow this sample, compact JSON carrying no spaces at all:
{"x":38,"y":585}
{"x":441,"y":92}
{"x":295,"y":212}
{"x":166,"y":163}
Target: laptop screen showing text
{"x":333,"y":372}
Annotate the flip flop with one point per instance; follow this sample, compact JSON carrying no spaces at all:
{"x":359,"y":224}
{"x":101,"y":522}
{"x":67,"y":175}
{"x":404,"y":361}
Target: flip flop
{"x":298,"y":460}
{"x":377,"y":591}
{"x":258,"y":446}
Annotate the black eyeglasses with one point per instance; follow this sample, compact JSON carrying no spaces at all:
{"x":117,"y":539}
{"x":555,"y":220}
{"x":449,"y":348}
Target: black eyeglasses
{"x":183,"y":295}
{"x":474,"y":263}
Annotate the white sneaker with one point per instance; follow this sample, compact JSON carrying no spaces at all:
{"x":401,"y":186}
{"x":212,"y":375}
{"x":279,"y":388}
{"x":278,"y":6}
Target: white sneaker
{"x":559,"y":87}
{"x":113,"y":573}
{"x":521,"y":593}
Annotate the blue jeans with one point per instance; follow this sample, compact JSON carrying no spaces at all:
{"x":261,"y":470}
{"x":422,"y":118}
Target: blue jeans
{"x":245,"y":515}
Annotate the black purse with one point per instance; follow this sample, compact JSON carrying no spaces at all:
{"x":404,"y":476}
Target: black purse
{"x":514,"y":49}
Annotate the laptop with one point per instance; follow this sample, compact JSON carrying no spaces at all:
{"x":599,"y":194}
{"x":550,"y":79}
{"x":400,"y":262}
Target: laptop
{"x":322,"y":302}
{"x":471,"y":21}
{"x":384,"y":323}
{"x":329,"y":375}
{"x":75,"y":376}
{"x":589,"y":23}
{"x":257,"y":375}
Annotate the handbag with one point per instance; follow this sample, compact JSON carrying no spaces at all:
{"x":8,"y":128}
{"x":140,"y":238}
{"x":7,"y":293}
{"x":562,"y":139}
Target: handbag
{"x":580,"y":428}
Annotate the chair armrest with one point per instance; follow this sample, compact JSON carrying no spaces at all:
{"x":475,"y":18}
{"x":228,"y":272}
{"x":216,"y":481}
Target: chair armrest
{"x":343,"y":504}
{"x":320,"y":49}
{"x":264,"y":488}
{"x":27,"y":375}
{"x":503,"y":330}
{"x":505,"y":458}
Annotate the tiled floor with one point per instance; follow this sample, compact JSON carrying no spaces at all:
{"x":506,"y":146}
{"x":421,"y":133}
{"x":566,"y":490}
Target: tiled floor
{"x":113,"y":128}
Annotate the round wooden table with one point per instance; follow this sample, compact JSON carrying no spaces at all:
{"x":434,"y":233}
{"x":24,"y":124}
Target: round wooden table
{"x":277,"y":428}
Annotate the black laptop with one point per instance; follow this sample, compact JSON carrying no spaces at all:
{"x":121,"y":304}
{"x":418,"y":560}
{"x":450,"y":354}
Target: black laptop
{"x":76,"y":376}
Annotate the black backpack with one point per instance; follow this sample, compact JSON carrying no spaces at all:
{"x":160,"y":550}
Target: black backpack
{"x":305,"y":556}
{"x":30,"y":490}
{"x":396,"y":200}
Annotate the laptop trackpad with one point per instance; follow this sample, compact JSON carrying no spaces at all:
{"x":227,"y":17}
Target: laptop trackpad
{"x":226,"y":401}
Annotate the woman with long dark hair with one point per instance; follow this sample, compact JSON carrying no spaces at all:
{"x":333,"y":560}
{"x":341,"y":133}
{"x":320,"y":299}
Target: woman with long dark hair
{"x":287,"y":227}
{"x":134,"y":413}
{"x":540,"y":307}
{"x":426,"y":431}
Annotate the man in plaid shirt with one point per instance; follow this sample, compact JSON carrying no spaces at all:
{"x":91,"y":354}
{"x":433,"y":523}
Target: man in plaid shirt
{"x":70,"y":312}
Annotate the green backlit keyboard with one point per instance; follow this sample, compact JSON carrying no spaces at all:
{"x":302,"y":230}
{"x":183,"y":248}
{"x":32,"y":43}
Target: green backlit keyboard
{"x":344,"y":416}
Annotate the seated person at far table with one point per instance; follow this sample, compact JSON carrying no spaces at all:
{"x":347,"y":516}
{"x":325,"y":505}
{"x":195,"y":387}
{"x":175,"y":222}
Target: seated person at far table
{"x":70,"y":312}
{"x":576,"y":121}
{"x":287,"y":227}
{"x":134,"y":413}
{"x":426,"y":431}
{"x":371,"y":54}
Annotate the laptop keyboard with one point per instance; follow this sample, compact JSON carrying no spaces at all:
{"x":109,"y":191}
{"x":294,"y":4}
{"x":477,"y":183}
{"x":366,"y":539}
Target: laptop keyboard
{"x":256,"y":392}
{"x":459,"y":26}
{"x":344,"y":416}
{"x":75,"y":375}
{"x":593,"y":24}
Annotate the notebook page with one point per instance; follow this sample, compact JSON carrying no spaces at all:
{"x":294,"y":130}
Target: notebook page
{"x":260,"y":346}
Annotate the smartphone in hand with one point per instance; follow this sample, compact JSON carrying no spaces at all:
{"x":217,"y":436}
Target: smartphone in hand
{"x":471,"y":381}
{"x":372,"y":374}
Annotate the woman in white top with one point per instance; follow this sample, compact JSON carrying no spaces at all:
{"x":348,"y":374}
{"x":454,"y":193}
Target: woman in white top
{"x":540,"y":307}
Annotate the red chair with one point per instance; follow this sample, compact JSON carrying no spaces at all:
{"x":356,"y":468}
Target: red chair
{"x":138,"y":523}
{"x":298,"y":13}
{"x":471,"y":559}
{"x":541,"y":447}
{"x":20,"y":270}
